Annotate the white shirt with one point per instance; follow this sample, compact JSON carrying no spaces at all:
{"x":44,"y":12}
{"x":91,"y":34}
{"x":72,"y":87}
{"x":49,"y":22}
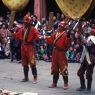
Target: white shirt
{"x":85,"y":52}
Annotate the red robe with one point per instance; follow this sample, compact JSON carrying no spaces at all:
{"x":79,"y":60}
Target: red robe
{"x":60,"y":46}
{"x":27,"y":47}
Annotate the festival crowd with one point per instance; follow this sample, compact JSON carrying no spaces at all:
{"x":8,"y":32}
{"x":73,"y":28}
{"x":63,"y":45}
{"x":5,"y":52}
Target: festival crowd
{"x":10,"y":47}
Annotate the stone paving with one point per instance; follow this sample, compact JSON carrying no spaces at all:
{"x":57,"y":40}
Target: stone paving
{"x":11,"y":75}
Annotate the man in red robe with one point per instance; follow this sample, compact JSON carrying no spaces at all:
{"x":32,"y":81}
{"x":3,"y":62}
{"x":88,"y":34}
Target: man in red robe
{"x":61,"y":42}
{"x":27,"y":34}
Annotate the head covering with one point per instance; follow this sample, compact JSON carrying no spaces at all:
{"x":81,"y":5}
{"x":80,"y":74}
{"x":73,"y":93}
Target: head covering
{"x":93,"y":32}
{"x":27,"y":19}
{"x":85,"y":24}
{"x":62,"y":24}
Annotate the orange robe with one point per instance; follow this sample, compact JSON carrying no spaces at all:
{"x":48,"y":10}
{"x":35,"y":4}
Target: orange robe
{"x":60,"y":44}
{"x":27,"y":36}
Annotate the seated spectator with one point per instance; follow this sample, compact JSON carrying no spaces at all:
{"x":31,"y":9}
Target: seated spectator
{"x":2,"y":53}
{"x":71,"y":54}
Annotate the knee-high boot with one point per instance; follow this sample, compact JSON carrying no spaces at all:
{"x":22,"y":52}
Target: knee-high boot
{"x":82,"y":82}
{"x":25,"y":70}
{"x":89,"y":76}
{"x":89,"y":83}
{"x":65,"y":79}
{"x":55,"y":80}
{"x":34,"y":73}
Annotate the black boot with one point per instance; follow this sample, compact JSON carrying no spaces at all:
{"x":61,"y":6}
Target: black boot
{"x":65,"y":79}
{"x":25,"y":70}
{"x":55,"y":80}
{"x":34,"y":72}
{"x":82,"y":83}
{"x":89,"y":83}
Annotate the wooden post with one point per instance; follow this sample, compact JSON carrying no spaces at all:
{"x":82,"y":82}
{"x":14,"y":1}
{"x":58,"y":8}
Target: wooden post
{"x":11,"y":20}
{"x":40,"y":8}
{"x":50,"y":23}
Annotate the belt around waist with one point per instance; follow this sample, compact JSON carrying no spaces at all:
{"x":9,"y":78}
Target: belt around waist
{"x":55,"y":47}
{"x":27,"y":43}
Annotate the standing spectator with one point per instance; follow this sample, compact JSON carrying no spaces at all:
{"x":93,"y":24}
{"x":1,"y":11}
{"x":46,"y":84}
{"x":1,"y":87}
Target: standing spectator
{"x":5,"y":39}
{"x":35,"y":22}
{"x":62,"y":18}
{"x":1,"y":20}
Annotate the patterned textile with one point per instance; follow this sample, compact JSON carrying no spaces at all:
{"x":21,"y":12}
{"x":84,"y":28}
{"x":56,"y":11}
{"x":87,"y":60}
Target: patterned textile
{"x":8,"y":92}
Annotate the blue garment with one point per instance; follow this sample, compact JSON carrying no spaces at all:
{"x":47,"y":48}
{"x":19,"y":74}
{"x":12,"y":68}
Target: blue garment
{"x":2,"y":53}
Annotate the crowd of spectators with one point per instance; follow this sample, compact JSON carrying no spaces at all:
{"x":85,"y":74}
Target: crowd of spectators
{"x":10,"y":47}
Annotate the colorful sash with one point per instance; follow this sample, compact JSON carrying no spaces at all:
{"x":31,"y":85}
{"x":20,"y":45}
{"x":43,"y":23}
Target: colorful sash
{"x":57,"y":38}
{"x":26,"y":33}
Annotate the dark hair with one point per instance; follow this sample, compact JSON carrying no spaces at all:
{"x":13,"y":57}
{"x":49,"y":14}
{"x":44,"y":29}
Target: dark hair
{"x":35,"y":16}
{"x":6,"y":25}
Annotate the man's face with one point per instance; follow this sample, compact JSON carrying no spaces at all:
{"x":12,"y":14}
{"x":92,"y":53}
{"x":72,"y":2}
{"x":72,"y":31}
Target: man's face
{"x":60,"y":28}
{"x":26,"y":24}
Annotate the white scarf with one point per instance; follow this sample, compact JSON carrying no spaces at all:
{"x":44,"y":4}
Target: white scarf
{"x":85,"y":54}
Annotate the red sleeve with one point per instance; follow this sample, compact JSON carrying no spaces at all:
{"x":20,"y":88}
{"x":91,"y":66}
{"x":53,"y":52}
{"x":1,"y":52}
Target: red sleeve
{"x":50,"y":39}
{"x":68,"y":43}
{"x":18,"y":34}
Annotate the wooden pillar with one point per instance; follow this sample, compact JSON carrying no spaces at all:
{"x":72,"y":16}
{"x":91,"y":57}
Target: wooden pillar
{"x":40,"y":8}
{"x":50,"y":23}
